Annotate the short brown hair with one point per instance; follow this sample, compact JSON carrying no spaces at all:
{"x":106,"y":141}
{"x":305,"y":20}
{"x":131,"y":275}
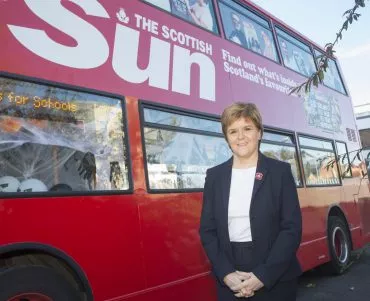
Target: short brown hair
{"x":238,"y":110}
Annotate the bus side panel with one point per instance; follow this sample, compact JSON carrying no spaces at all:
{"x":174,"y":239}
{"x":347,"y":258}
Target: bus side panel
{"x":364,"y":208}
{"x":100,"y":233}
{"x":172,"y":246}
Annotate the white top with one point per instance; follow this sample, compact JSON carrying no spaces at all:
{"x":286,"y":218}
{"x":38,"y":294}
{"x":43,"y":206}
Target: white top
{"x":242,"y":182}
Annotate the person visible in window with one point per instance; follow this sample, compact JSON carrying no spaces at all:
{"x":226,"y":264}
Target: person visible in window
{"x":251,"y":224}
{"x":251,"y":36}
{"x":287,"y":58}
{"x":302,"y":67}
{"x":268,"y":50}
{"x":201,"y":14}
{"x":180,"y":8}
{"x":237,"y":35}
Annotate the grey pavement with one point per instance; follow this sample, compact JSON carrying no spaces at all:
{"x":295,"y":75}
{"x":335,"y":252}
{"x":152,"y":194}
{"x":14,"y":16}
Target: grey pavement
{"x":353,"y":285}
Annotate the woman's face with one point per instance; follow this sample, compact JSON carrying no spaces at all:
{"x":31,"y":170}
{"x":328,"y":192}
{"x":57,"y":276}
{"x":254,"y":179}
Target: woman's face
{"x":243,"y":137}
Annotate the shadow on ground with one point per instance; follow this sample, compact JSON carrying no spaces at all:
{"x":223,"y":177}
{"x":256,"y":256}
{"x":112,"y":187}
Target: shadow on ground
{"x":354,"y":284}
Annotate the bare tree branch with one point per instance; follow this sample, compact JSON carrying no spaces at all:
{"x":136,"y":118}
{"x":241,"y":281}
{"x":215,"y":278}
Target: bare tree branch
{"x":318,"y":76}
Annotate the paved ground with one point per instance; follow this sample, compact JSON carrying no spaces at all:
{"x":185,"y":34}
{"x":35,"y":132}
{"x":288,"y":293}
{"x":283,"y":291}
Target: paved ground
{"x":354,"y":285}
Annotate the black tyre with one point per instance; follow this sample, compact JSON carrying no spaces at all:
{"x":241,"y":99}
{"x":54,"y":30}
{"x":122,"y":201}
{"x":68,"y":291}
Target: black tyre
{"x":340,"y":246}
{"x":36,"y":283}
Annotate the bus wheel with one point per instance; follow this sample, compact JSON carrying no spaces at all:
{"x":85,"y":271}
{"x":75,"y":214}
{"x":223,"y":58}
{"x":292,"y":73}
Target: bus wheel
{"x":35,"y":283}
{"x":339,"y":245}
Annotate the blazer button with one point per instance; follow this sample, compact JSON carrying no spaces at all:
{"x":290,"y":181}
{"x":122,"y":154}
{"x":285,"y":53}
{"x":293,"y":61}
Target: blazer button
{"x":252,"y":217}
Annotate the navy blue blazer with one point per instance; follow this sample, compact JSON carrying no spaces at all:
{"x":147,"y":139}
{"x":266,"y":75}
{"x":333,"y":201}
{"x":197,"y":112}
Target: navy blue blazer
{"x":275,"y":218}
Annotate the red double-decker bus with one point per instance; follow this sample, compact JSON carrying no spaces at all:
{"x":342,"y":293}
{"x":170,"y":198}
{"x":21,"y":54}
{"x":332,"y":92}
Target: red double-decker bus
{"x":109,"y":119}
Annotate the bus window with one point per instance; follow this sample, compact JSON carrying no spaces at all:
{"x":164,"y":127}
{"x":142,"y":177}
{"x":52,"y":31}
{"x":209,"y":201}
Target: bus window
{"x":282,"y":147}
{"x":180,"y":148}
{"x":319,"y":162}
{"x":296,"y":55}
{"x":60,"y":140}
{"x":331,"y":77}
{"x":247,"y":29}
{"x":343,"y":159}
{"x":199,"y":12}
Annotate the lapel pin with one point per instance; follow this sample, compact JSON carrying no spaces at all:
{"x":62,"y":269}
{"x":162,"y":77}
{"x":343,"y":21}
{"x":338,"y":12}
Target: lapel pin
{"x":259,"y":176}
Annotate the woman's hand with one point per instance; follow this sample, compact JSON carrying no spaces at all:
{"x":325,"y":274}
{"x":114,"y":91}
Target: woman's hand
{"x":233,"y":279}
{"x":250,"y":283}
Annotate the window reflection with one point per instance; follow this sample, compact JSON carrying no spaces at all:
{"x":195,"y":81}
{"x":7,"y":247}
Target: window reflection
{"x":296,"y":58}
{"x":60,"y":140}
{"x":331,"y":76}
{"x":177,"y":120}
{"x":286,"y":154}
{"x":199,"y":12}
{"x":247,"y":32}
{"x":320,"y":167}
{"x":177,"y":160}
{"x":343,"y":159}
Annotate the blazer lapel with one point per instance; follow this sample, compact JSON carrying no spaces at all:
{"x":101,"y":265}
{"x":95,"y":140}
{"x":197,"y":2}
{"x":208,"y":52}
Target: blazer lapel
{"x":225,"y":194}
{"x":261,"y":172}
{"x":225,"y":185}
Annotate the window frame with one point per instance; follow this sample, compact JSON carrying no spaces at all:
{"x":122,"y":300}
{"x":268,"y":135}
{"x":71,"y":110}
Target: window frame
{"x":299,"y":134}
{"x":144,"y":104}
{"x":278,"y":27}
{"x":295,"y":144}
{"x":259,"y":15}
{"x":336,"y":66}
{"x":125,"y":139}
{"x":215,"y":19}
{"x":336,"y":151}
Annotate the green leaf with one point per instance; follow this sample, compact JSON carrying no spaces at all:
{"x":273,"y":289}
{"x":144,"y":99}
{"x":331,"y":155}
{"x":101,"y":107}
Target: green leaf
{"x":345,"y":25}
{"x":321,"y":75}
{"x":315,"y":80}
{"x":360,"y":3}
{"x":325,"y":63}
{"x":350,"y":19}
{"x":347,"y":12}
{"x":308,"y":86}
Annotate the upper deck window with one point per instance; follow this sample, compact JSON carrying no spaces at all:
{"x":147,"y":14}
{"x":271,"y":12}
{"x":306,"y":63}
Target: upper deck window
{"x":296,"y":55}
{"x":331,"y":77}
{"x":247,"y":29}
{"x":199,"y":12}
{"x":59,"y":140}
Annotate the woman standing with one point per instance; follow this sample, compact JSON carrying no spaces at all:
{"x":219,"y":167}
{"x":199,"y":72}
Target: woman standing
{"x":251,"y":220}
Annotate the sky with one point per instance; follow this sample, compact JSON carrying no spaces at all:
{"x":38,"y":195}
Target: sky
{"x":320,"y":20}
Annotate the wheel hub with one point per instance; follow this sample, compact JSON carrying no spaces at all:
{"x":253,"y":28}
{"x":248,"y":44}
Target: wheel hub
{"x":340,"y":244}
